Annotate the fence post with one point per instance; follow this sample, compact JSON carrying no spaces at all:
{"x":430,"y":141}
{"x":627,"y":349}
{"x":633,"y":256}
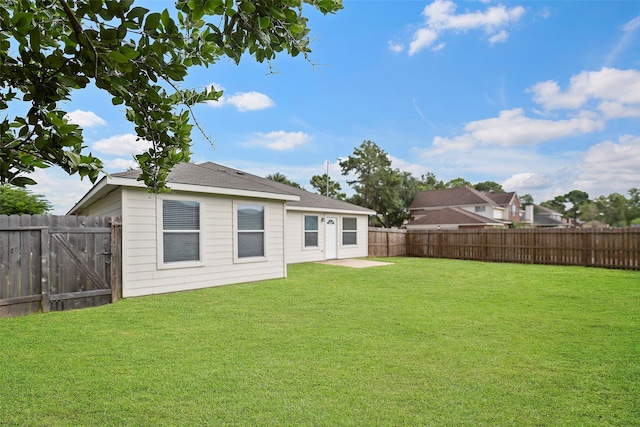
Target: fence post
{"x":44,"y":269}
{"x":116,"y":260}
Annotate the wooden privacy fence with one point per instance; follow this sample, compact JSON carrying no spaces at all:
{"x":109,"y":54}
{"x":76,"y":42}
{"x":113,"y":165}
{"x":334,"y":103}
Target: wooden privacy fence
{"x":55,"y":263}
{"x":386,"y":242}
{"x":606,"y":247}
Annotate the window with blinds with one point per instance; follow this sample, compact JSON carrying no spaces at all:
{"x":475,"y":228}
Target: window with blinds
{"x":250,"y":228}
{"x":349,"y":231}
{"x":310,"y":231}
{"x":180,"y":231}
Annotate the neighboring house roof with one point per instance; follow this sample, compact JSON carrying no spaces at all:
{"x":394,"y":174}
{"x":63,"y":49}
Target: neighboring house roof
{"x":502,"y":199}
{"x":461,"y":196}
{"x":218,"y":179}
{"x":451,"y":216}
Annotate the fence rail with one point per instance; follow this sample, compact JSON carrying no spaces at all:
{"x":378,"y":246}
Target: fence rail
{"x":609,"y":248}
{"x":58,"y":263}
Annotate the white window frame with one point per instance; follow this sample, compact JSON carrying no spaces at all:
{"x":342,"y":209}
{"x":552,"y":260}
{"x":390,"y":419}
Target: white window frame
{"x":343,"y":231}
{"x":161,"y":232}
{"x":236,"y":258}
{"x":305,"y":231}
{"x":480,"y":209}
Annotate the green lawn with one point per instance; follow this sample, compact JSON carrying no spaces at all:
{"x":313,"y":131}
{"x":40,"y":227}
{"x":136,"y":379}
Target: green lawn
{"x":422,"y":342}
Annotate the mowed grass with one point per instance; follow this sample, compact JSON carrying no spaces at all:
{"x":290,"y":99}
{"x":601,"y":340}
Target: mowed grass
{"x":421,"y":342}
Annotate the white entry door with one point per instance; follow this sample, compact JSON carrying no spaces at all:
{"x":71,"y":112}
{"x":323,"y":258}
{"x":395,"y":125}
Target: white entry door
{"x":331,"y":238}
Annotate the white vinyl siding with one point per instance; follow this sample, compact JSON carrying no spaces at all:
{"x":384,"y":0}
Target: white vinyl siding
{"x":297,"y":252}
{"x":142,"y":272}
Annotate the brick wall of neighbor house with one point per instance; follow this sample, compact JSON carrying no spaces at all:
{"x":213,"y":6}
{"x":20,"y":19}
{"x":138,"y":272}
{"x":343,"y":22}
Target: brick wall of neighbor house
{"x":144,"y":275}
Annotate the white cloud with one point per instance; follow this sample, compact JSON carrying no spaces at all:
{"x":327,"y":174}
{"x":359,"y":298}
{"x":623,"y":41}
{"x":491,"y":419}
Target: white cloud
{"x":609,"y":85}
{"x":122,"y":145}
{"x":280,"y":140}
{"x":119,"y":165}
{"x":52,"y":180}
{"x":440,"y":17}
{"x":610,"y":166}
{"x":85,"y":119}
{"x":502,"y":36}
{"x":629,"y":30}
{"x":512,"y":128}
{"x":245,"y":101}
{"x":525,"y":182}
{"x":424,"y":37}
{"x":395,"y":47}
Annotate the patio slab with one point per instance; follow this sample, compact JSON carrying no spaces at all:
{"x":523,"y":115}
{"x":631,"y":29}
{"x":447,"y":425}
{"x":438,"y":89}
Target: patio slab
{"x":355,"y":263}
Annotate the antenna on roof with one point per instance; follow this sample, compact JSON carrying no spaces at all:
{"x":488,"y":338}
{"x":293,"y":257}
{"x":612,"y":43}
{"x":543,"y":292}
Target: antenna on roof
{"x":327,"y":189}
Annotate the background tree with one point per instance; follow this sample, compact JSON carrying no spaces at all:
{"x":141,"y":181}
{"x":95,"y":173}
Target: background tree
{"x":526,"y":199}
{"x":577,"y":199}
{"x":278,"y":177}
{"x":633,"y":206}
{"x":458,"y":182}
{"x":323,"y":183}
{"x":557,"y":204}
{"x":489,"y":186}
{"x":19,"y":201}
{"x":376,"y":184}
{"x":49,"y":48}
{"x":429,"y":181}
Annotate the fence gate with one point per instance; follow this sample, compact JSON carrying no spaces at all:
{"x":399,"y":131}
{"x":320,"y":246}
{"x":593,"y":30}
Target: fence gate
{"x":55,"y":263}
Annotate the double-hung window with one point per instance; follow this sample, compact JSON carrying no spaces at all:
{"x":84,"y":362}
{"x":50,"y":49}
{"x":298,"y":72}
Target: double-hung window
{"x":349,"y":231}
{"x":180,"y":231}
{"x":310,"y":231}
{"x":250,"y":229}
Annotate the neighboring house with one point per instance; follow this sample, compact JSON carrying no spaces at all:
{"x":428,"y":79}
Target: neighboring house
{"x":595,"y":224}
{"x":219,"y":226}
{"x":541,"y":217}
{"x":463,"y":207}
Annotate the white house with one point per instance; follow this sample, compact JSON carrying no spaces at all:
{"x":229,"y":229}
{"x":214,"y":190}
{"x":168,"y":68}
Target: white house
{"x":219,"y":226}
{"x":463,"y":207}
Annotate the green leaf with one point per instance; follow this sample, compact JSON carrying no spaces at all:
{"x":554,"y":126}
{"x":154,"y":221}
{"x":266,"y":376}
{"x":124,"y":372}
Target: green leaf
{"x":265,"y":22}
{"x":152,"y":22}
{"x":118,"y":57}
{"x":247,"y":7}
{"x":22,"y":181}
{"x":277,"y":13}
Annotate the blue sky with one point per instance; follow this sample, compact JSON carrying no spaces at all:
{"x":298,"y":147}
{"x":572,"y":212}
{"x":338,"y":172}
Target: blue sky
{"x":540,"y":96}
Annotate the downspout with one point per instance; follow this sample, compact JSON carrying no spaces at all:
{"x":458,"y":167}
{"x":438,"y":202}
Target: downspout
{"x":284,"y":239}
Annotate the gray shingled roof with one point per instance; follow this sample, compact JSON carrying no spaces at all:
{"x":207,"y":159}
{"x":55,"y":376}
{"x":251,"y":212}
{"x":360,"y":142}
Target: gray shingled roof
{"x":449,"y":216}
{"x":501,"y":199}
{"x":208,"y":175}
{"x":461,"y":196}
{"x":214,"y":175}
